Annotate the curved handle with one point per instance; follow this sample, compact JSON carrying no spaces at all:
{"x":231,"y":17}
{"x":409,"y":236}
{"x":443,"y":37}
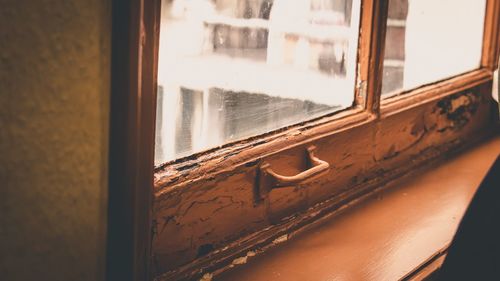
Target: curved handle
{"x":270,"y":179}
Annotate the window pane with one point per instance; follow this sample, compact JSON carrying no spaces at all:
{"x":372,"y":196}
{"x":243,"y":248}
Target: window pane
{"x":231,"y":69}
{"x":430,"y":40}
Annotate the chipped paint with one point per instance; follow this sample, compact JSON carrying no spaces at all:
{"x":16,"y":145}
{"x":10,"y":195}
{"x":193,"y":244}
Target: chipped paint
{"x":458,"y":110}
{"x":243,"y":260}
{"x":213,"y":215}
{"x":240,"y":260}
{"x":207,"y":277}
{"x":280,"y":239}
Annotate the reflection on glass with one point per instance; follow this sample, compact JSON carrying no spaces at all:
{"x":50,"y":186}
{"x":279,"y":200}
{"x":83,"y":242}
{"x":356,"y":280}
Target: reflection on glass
{"x":430,"y":40}
{"x":231,"y":69}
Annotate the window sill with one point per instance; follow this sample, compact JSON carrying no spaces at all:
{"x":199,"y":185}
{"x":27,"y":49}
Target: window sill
{"x":383,"y":237}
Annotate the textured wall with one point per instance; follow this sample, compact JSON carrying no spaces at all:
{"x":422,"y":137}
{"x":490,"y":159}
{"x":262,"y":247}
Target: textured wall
{"x":54,"y":92}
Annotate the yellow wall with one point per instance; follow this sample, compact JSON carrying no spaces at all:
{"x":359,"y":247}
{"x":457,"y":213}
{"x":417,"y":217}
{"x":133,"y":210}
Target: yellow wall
{"x":54,"y":107}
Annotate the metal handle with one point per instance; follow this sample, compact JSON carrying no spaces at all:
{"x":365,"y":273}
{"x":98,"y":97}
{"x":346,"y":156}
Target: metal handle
{"x":270,"y":179}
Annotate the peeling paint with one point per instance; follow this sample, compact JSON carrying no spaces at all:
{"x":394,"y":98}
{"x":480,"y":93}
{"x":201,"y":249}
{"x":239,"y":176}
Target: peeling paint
{"x":244,"y":259}
{"x":217,"y":208}
{"x":240,"y":260}
{"x":207,"y":277}
{"x":280,"y":239}
{"x":458,"y":110}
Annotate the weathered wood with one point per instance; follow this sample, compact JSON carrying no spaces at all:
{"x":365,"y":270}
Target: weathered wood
{"x":205,"y":214}
{"x":491,"y":41}
{"x":435,"y":91}
{"x":179,"y":173}
{"x":371,"y":53}
{"x":133,"y":100}
{"x":203,"y":222}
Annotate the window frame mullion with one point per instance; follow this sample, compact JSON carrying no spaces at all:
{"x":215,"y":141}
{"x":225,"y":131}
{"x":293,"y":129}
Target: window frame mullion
{"x":371,"y":54}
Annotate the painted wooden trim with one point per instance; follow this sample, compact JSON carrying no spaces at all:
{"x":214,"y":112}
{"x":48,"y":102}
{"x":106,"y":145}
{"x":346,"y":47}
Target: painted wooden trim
{"x":434,"y":91}
{"x":204,"y":178}
{"x":131,"y":147}
{"x":491,"y":41}
{"x":363,"y":156}
{"x":371,"y":49}
{"x":208,"y":164}
{"x":374,"y":21}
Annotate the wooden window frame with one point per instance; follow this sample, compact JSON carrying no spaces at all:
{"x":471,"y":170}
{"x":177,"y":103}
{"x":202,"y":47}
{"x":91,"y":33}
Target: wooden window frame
{"x":139,"y":194}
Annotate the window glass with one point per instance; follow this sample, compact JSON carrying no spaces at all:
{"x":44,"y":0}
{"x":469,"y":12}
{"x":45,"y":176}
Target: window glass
{"x":430,"y":40}
{"x":231,"y":69}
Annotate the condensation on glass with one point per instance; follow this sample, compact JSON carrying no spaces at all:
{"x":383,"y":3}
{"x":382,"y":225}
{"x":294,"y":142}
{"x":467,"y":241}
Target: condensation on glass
{"x":232,"y":69}
{"x":431,"y":40}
